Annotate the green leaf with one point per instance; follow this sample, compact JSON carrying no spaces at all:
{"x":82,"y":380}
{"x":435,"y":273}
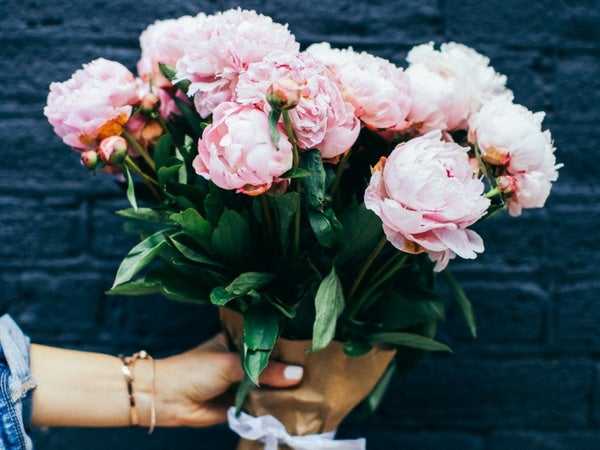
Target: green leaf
{"x":192,"y":254}
{"x":357,"y":348}
{"x":141,"y":286}
{"x":139,"y":257}
{"x":248,"y":281}
{"x":407,"y":309}
{"x":170,"y":74}
{"x":463,"y":302}
{"x":190,"y":116}
{"x":144,"y":214}
{"x":213,"y":206}
{"x":329,"y":304}
{"x":241,"y":393}
{"x":374,"y":398}
{"x":231,"y":239}
{"x":162,"y":152}
{"x":314,"y":184}
{"x":274,"y":116}
{"x":130,"y":189}
{"x":287,"y":206}
{"x":296,"y":173}
{"x":194,"y":224}
{"x":285,"y":309}
{"x":361,"y":231}
{"x":261,"y":330}
{"x":220,"y":296}
{"x":409,"y":340}
{"x":326,"y":226}
{"x":166,"y":174}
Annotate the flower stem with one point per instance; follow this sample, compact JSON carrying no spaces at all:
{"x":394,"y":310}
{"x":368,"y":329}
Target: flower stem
{"x":148,"y":181}
{"x":493,"y":193}
{"x":267,"y":214}
{"x":292,"y":136}
{"x":341,"y":168}
{"x":365,"y":268}
{"x":289,"y":130}
{"x":140,"y":149}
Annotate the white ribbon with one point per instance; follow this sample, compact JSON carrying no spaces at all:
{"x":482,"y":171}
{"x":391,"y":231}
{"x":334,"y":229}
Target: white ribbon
{"x":271,"y":432}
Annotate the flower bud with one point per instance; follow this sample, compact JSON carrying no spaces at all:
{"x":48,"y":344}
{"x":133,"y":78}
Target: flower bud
{"x":113,"y":150}
{"x":151,"y":132}
{"x":495,"y":157}
{"x":506,"y":184}
{"x":89,"y":159}
{"x":149,"y":102}
{"x":284,"y":94}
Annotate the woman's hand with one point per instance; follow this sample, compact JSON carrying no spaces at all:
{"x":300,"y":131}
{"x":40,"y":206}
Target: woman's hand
{"x":190,"y":386}
{"x":89,"y":389}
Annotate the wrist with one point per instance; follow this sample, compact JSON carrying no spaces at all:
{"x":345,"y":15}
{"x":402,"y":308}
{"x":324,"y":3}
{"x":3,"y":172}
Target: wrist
{"x":152,"y":390}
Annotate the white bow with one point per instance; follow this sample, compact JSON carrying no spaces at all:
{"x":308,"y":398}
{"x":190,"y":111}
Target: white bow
{"x":271,"y":432}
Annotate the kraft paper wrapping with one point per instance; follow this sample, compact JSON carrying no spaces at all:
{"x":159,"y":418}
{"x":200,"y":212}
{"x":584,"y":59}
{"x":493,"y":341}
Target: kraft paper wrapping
{"x":333,"y":384}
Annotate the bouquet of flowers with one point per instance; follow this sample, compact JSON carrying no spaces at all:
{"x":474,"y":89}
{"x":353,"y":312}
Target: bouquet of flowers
{"x":312,"y":196}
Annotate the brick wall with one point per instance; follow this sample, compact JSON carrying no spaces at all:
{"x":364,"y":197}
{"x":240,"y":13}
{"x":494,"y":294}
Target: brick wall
{"x":530,"y":381}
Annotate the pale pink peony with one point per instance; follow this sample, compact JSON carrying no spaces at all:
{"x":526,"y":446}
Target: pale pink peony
{"x":449,"y":85}
{"x":164,"y":42}
{"x":321,"y":118}
{"x":426,"y":196}
{"x":93,"y":104}
{"x":378,"y":90}
{"x":236,"y":150}
{"x":233,"y":40}
{"x":511,"y":136}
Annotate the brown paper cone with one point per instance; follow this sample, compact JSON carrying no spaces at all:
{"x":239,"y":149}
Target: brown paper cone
{"x":333,"y":384}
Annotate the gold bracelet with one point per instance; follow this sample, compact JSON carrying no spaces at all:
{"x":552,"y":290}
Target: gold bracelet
{"x":128,"y":363}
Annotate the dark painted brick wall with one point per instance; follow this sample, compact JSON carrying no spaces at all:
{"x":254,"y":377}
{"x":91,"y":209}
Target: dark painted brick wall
{"x":531,"y":381}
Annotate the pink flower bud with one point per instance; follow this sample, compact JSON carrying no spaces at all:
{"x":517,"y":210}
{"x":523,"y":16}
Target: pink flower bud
{"x":506,"y":183}
{"x":113,"y":150}
{"x":284,"y":94}
{"x":89,"y":159}
{"x":149,"y":102}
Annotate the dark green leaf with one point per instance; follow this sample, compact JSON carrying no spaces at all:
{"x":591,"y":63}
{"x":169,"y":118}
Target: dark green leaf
{"x":241,"y":393}
{"x":287,"y":310}
{"x":287,"y":206}
{"x":130,"y":189}
{"x":296,"y":173}
{"x":409,"y":340}
{"x":374,"y":399}
{"x":255,"y":361}
{"x":213,"y":206}
{"x":361,"y":233}
{"x":170,"y":73}
{"x":190,"y":115}
{"x":194,"y":224}
{"x":314,"y":184}
{"x":248,"y":281}
{"x":192,"y":254}
{"x":220,"y":296}
{"x":163,"y":150}
{"x":166,"y":174}
{"x":463,"y":302}
{"x":261,"y":328}
{"x":357,"y":348}
{"x":329,"y":304}
{"x":405,"y":309}
{"x":139,"y":257}
{"x":326,"y":226}
{"x":232,"y":239}
{"x":142,"y":286}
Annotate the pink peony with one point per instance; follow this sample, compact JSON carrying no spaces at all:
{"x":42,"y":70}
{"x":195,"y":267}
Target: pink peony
{"x":426,"y":196}
{"x":95,"y":103}
{"x":321,"y":118}
{"x":511,"y":136}
{"x":233,"y":40}
{"x":449,"y":85}
{"x":377,"y":89}
{"x":164,"y":42}
{"x":236,"y":150}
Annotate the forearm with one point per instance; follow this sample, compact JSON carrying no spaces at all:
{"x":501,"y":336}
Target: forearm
{"x":82,"y":389}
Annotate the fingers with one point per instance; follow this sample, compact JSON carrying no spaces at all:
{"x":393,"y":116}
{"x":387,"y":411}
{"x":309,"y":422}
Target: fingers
{"x":282,"y":375}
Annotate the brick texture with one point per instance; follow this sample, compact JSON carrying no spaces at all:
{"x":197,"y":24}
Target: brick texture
{"x":531,"y":381}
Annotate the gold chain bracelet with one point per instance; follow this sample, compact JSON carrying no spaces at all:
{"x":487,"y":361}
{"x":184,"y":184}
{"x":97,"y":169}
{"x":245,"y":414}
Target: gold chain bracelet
{"x":126,"y":368}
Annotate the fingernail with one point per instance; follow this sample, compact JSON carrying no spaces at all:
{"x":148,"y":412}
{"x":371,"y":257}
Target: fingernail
{"x":293,"y":372}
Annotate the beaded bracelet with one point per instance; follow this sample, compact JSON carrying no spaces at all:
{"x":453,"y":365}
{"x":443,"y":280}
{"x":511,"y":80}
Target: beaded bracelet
{"x":126,"y":368}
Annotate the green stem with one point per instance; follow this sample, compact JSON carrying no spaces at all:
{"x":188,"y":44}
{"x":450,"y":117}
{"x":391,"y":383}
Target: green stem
{"x":365,"y":268}
{"x":493,"y":193}
{"x":267,"y":214}
{"x":296,"y":161}
{"x":140,"y":149}
{"x":148,"y":181}
{"x":367,"y":299}
{"x":339,"y":172}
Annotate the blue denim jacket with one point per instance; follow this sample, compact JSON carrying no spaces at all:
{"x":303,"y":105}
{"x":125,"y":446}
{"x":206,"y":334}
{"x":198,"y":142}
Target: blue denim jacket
{"x":16,"y":385}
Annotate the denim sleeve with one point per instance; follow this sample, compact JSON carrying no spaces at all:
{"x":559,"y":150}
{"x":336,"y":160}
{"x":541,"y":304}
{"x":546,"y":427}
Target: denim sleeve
{"x":16,"y":385}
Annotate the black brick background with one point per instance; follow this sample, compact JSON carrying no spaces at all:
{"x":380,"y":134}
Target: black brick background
{"x":531,"y":381}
